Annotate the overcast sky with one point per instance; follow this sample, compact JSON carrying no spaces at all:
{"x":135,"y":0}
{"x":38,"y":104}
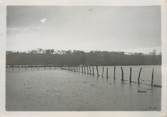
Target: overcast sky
{"x":83,"y":28}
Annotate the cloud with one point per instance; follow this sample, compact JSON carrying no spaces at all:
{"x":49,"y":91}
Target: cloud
{"x":43,"y":20}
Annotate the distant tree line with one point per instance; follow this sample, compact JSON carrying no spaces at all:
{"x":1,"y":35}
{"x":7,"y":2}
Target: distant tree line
{"x":77,"y":57}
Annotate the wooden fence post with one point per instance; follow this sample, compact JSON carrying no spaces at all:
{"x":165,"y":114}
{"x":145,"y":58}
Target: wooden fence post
{"x":82,"y":69}
{"x":152,"y":78}
{"x":97,"y":71}
{"x":87,"y":70}
{"x":102,"y":71}
{"x":78,"y":69}
{"x":114,"y":72}
{"x":130,"y":76}
{"x":90,"y":71}
{"x":107,"y":73}
{"x":122,"y":74}
{"x":93,"y":70}
{"x":139,"y":76}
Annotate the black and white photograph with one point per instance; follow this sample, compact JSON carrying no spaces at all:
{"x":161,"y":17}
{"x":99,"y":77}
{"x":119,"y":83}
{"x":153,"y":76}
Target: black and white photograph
{"x":83,"y":58}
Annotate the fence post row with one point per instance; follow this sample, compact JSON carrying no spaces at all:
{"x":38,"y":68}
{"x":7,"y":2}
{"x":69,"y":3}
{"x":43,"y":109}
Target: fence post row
{"x":86,"y":69}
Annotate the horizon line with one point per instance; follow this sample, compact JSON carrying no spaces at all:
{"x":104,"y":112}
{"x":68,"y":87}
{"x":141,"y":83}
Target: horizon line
{"x":55,"y":50}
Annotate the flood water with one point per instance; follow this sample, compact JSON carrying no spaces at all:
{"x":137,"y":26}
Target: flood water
{"x":54,"y":89}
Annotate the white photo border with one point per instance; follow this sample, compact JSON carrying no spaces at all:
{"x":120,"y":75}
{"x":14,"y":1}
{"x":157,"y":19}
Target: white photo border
{"x":162,"y":3}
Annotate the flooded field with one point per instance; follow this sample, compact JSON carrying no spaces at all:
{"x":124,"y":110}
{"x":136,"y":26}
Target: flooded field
{"x":54,"y":89}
